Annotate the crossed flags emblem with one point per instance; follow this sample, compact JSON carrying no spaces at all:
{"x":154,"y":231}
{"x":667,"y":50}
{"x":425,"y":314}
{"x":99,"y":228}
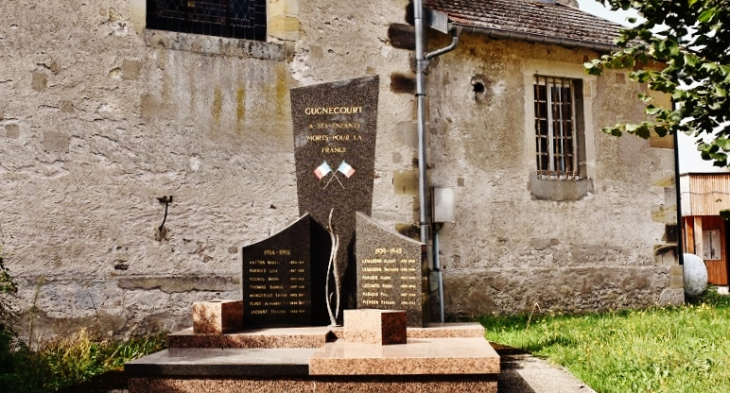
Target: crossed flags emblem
{"x":324,"y":169}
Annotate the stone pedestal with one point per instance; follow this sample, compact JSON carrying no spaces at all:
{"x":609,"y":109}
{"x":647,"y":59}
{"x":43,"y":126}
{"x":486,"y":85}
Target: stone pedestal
{"x":381,"y":327}
{"x":428,"y":356}
{"x":309,"y":337}
{"x":437,"y":358}
{"x":217,"y":316}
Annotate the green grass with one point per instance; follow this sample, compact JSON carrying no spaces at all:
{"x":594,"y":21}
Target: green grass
{"x":680,"y":349}
{"x":69,"y":362}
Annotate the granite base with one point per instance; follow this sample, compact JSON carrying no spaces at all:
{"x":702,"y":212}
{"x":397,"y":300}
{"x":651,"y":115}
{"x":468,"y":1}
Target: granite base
{"x":217,"y":316}
{"x":382,"y":384}
{"x":309,"y":337}
{"x":442,"y":358}
{"x":427,"y":356}
{"x":381,"y":327}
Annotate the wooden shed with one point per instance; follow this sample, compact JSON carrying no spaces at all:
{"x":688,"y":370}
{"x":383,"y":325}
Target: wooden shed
{"x":706,"y":233}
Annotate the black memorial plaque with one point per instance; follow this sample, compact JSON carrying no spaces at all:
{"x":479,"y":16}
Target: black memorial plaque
{"x":389,"y":270}
{"x":277,"y":280}
{"x":334,"y":149}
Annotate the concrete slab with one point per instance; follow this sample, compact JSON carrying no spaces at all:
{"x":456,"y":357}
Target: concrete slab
{"x":524,"y":373}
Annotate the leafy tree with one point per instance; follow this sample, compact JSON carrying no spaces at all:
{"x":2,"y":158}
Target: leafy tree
{"x":682,"y":49}
{"x":7,"y":287}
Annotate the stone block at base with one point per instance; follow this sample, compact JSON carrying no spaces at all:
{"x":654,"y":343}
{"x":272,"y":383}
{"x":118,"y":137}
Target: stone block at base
{"x":216,"y":363}
{"x":217,"y":316}
{"x":307,"y":337}
{"x":380,"y":327}
{"x":446,"y":330}
{"x":427,"y":356}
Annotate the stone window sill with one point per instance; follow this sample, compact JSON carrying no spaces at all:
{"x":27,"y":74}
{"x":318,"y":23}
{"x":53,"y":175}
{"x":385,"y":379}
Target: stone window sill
{"x":559,"y":190}
{"x":211,"y":45}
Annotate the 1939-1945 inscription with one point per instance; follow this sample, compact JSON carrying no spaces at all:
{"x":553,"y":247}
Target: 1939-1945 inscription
{"x":389,"y":270}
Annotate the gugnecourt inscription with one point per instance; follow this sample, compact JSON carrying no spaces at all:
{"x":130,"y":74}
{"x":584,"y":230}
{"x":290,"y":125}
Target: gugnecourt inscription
{"x":334,"y":149}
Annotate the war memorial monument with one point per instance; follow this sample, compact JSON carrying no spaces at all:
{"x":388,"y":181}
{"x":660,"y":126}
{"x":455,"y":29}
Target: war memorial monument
{"x":333,"y":302}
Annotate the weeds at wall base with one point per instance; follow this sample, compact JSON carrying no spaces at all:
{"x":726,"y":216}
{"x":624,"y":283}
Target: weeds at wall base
{"x":55,"y":365}
{"x":59,"y":364}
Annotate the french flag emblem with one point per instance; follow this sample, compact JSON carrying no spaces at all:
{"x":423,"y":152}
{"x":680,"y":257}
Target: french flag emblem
{"x":346,"y":169}
{"x":322,"y":170}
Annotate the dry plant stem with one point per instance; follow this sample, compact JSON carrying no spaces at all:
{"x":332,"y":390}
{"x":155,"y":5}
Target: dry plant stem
{"x":330,"y":267}
{"x":529,"y":318}
{"x":33,"y":311}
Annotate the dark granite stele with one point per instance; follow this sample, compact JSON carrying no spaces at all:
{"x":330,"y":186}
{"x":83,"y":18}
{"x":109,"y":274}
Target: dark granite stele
{"x":390,"y":271}
{"x":437,"y":358}
{"x":335,"y":128}
{"x":283,"y":277}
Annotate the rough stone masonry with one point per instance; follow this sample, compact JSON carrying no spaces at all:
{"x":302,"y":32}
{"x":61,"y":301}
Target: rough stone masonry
{"x":100,"y":116}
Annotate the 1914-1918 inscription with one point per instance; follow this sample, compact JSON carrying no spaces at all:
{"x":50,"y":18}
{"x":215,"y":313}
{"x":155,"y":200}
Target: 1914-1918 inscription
{"x":277,"y":278}
{"x":389,"y":270}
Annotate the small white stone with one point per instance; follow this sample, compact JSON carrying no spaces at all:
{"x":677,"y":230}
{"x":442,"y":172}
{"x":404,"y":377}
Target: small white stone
{"x":695,"y":275}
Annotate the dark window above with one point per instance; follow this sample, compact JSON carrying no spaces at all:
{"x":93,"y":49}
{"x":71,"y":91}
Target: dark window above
{"x":221,"y":18}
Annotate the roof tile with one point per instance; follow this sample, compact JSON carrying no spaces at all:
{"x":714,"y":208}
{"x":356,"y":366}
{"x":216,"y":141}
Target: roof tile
{"x":554,"y":20}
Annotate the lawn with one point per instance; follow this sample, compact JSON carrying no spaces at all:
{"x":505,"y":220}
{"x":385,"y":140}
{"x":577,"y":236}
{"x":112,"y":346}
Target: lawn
{"x":679,"y":349}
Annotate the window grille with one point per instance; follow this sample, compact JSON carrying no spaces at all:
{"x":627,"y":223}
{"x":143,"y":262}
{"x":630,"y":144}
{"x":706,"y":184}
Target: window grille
{"x":222,"y":18}
{"x":556,"y":141}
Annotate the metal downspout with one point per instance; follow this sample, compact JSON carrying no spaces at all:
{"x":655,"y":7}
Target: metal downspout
{"x":437,"y":268}
{"x":421,"y":64}
{"x":422,"y":59}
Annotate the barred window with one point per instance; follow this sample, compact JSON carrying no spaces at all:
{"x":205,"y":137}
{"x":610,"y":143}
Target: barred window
{"x":222,"y":18}
{"x":556,"y":127}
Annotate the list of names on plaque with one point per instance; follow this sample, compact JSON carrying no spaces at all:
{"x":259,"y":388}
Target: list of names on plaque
{"x":389,"y":270}
{"x":277,"y":284}
{"x":389,"y":279}
{"x":277,"y":290}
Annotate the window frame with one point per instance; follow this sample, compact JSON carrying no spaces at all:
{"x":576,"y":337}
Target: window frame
{"x":558,"y":189}
{"x":254,"y":28}
{"x":557,"y":141}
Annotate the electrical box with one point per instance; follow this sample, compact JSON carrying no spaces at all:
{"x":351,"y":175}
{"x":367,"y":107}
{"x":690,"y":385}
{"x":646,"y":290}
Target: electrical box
{"x":443,"y":205}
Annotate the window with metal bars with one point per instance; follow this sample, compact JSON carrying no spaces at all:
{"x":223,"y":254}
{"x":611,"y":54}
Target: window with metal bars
{"x":221,"y":18}
{"x":556,"y":127}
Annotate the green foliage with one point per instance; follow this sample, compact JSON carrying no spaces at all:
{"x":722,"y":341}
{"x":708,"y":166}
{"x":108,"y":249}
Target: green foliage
{"x":687,"y":57}
{"x":69,"y":362}
{"x":679,"y":349}
{"x":7,"y":335}
{"x":7,"y":287}
{"x":59,"y":364}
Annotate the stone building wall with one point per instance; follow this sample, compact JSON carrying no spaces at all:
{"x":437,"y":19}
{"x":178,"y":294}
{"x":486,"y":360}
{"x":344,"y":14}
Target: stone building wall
{"x":100,"y":116}
{"x":514,"y":245}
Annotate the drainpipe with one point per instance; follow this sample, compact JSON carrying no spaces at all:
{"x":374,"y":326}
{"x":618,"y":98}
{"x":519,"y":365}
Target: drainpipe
{"x":421,"y":65}
{"x":437,"y":269}
{"x":422,"y":59}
